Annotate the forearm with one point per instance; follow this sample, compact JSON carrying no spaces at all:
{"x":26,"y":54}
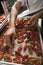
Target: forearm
{"x":14,"y":12}
{"x":40,"y":14}
{"x":13,"y":16}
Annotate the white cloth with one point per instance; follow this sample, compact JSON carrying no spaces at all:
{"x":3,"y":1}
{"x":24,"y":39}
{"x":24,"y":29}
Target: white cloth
{"x":34,"y":6}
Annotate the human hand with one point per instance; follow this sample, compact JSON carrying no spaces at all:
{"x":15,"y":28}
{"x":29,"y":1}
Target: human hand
{"x":9,"y":37}
{"x":33,"y":20}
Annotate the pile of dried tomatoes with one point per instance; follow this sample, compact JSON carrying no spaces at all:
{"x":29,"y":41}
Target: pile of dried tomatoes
{"x":30,"y":37}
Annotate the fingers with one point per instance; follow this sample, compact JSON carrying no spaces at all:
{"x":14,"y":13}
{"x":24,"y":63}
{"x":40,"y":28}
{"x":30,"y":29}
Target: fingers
{"x":12,"y":40}
{"x":13,"y":37}
{"x":7,"y":39}
{"x":32,"y":22}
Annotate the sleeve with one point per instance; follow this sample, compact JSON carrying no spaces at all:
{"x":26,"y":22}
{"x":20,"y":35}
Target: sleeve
{"x":42,"y":4}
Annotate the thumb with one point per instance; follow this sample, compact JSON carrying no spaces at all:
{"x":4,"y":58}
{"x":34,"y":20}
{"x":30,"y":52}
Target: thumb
{"x":29,"y":22}
{"x":13,"y":37}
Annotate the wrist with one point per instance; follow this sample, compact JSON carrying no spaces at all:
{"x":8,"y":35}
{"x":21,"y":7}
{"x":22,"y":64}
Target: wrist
{"x":12,"y":26}
{"x":37,"y":15}
{"x":40,"y":13}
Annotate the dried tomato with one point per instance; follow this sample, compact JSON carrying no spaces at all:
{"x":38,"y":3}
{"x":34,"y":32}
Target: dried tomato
{"x":7,"y":58}
{"x":20,"y":48}
{"x":25,"y":47}
{"x":17,"y":53}
{"x":1,"y":55}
